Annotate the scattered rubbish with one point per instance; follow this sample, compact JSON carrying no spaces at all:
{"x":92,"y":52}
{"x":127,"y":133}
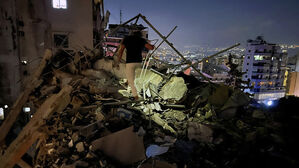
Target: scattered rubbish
{"x":155,"y":150}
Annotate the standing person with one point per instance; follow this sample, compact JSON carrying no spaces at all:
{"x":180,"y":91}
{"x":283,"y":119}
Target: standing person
{"x":134,"y":45}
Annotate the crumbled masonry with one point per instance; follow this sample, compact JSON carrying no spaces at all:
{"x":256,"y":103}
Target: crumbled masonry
{"x":179,"y":121}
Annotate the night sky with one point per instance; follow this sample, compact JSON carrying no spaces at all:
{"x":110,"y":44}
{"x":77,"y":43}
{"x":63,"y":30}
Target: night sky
{"x":215,"y":23}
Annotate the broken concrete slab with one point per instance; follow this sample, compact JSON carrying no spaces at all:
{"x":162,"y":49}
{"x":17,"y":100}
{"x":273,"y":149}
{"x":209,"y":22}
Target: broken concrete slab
{"x":175,"y":88}
{"x":125,"y":146}
{"x":219,"y":96}
{"x":147,"y":80}
{"x":237,"y":99}
{"x":156,"y":117}
{"x":107,"y":65}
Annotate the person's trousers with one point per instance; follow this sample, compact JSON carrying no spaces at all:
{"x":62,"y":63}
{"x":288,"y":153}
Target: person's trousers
{"x":130,"y":73}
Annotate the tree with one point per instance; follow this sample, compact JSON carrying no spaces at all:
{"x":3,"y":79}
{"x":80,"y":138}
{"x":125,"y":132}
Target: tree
{"x":235,"y":76}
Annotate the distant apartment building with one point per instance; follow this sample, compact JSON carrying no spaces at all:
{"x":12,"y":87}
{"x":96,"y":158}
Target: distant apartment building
{"x":28,"y":27}
{"x":265,"y":67}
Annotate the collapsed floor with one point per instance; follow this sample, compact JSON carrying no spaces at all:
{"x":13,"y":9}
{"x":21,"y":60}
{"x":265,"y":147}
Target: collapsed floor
{"x":84,"y":118}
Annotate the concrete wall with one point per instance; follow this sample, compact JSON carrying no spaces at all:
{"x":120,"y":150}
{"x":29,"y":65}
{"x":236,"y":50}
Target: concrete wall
{"x":294,"y":84}
{"x":31,"y":46}
{"x":75,"y":20}
{"x":9,"y":60}
{"x":26,"y":30}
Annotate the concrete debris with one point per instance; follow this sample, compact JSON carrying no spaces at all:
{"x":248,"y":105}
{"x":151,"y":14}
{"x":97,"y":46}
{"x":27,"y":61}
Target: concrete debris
{"x":80,"y":147}
{"x":124,"y":146}
{"x":258,"y":114}
{"x":147,"y":80}
{"x":82,"y":117}
{"x":158,"y":164}
{"x":200,"y":132}
{"x":70,"y":144}
{"x":237,"y":99}
{"x":99,"y":115}
{"x":178,"y":115}
{"x":174,"y":89}
{"x":219,"y":96}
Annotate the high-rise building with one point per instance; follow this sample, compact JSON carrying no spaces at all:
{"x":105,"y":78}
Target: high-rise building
{"x":265,"y":66}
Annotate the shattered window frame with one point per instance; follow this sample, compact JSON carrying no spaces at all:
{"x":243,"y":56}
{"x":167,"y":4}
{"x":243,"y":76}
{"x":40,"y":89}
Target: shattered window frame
{"x":60,"y":40}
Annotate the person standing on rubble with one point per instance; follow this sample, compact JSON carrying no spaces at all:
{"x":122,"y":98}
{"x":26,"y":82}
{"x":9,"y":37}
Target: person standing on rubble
{"x":134,"y":44}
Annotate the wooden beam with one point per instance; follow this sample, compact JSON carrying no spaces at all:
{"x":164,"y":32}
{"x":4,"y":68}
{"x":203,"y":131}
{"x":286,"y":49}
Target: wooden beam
{"x":30,"y":132}
{"x":22,"y":99}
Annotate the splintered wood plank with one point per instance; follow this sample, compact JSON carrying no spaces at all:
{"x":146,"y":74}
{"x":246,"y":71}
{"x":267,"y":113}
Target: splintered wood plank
{"x":22,"y":99}
{"x":30,"y":132}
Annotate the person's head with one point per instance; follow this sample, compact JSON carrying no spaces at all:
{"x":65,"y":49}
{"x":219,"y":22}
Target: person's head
{"x":137,"y":33}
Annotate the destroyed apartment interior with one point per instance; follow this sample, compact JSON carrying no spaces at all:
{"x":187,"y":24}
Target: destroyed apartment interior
{"x":69,"y":100}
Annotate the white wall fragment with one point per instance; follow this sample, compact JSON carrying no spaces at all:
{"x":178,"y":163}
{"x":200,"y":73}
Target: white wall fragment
{"x":1,"y":113}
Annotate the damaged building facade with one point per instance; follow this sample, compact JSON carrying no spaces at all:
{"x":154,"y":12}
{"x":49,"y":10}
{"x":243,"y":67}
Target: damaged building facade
{"x":82,"y":113}
{"x":28,"y":27}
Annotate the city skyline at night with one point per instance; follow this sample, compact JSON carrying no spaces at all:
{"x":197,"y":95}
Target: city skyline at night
{"x":214,"y":23}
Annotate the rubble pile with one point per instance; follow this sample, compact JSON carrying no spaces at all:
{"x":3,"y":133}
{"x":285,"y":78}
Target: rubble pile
{"x":179,"y":121}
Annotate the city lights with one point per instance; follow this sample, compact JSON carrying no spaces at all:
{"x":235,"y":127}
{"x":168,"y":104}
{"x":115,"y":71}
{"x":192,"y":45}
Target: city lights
{"x":269,"y":103}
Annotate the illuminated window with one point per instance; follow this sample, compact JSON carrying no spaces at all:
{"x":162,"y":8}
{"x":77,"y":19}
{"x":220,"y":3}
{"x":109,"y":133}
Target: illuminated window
{"x":59,"y":4}
{"x":258,"y":57}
